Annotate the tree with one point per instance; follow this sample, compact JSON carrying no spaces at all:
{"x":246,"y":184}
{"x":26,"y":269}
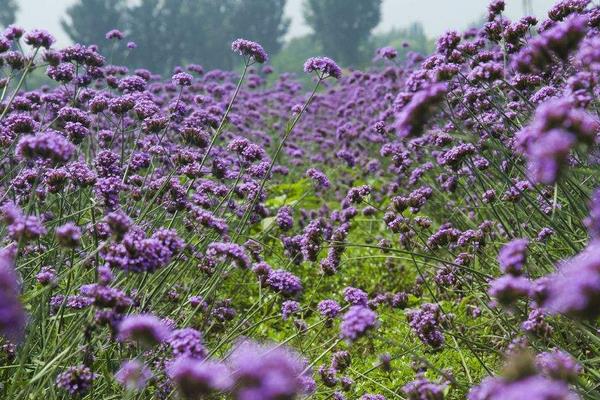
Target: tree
{"x":176,"y":32}
{"x":8,"y":12}
{"x":88,"y":20}
{"x":342,"y":26}
{"x":262,"y":21}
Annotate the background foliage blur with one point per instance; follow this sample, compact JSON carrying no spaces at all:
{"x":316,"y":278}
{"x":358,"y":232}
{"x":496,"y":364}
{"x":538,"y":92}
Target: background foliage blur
{"x":169,"y":33}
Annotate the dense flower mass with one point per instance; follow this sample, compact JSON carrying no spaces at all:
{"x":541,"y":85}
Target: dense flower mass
{"x":395,"y":232}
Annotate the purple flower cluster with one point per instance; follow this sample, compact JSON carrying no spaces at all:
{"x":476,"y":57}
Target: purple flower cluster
{"x":356,"y":322}
{"x":12,"y":314}
{"x":426,"y":323}
{"x":249,"y":49}
{"x":324,"y":66}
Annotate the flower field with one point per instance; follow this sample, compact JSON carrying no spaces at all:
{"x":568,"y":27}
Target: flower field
{"x":424,"y":230}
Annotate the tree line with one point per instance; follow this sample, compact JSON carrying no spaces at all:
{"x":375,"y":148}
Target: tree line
{"x":168,"y":33}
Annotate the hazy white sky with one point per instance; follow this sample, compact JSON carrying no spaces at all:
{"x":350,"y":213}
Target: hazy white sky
{"x":436,"y":15}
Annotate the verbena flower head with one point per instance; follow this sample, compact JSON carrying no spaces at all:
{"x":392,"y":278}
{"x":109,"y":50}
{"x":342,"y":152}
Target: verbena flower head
{"x":508,"y":289}
{"x":356,"y":322}
{"x":145,"y":329}
{"x":512,"y":256}
{"x":284,"y":282}
{"x":250,"y":49}
{"x":77,"y":380}
{"x":423,"y":389}
{"x":187,"y":342}
{"x":195,"y":379}
{"x":324,"y":66}
{"x":557,"y":364}
{"x":426,"y":323}
{"x":412,"y":119}
{"x":388,"y":53}
{"x":133,"y":375}
{"x":39,"y":38}
{"x":536,"y":387}
{"x":266,"y":372}
{"x":114,"y":34}
{"x":329,"y":308}
{"x":182,"y":79}
{"x":12,"y":314}
{"x":574,"y":290}
{"x":68,"y":235}
{"x":49,"y":146}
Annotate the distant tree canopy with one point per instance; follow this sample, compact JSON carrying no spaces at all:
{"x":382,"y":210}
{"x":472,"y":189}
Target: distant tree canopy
{"x":175,"y":32}
{"x":89,"y":20}
{"x":342,"y":26}
{"x":8,"y":12}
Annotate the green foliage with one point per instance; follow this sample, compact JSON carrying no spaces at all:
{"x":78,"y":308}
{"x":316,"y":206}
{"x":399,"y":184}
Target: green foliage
{"x":8,"y":11}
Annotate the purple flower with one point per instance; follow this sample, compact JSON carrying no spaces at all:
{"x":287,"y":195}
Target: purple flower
{"x":114,"y":34}
{"x":574,"y":289}
{"x":284,"y":282}
{"x":423,"y":389}
{"x":372,"y":397}
{"x":12,"y":314}
{"x":187,"y":342}
{"x":133,"y":375}
{"x":288,"y":308}
{"x":266,"y":372}
{"x":324,"y":66}
{"x":39,"y":38}
{"x":77,"y":381}
{"x":47,"y":277}
{"x":196,"y":379}
{"x":284,"y":218}
{"x":329,"y":308}
{"x":319,"y":178}
{"x":249,"y":49}
{"x":412,"y":119}
{"x":68,"y":235}
{"x":182,"y":79}
{"x":355,"y":296}
{"x":388,"y":53}
{"x":536,"y":387}
{"x":356,"y":322}
{"x":425,"y":322}
{"x":137,"y":253}
{"x":47,"y":146}
{"x":508,"y":289}
{"x":21,"y":227}
{"x":549,"y":154}
{"x":563,"y":8}
{"x":512,"y":256}
{"x":557,"y":364}
{"x":145,"y":329}
{"x":231,"y":251}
